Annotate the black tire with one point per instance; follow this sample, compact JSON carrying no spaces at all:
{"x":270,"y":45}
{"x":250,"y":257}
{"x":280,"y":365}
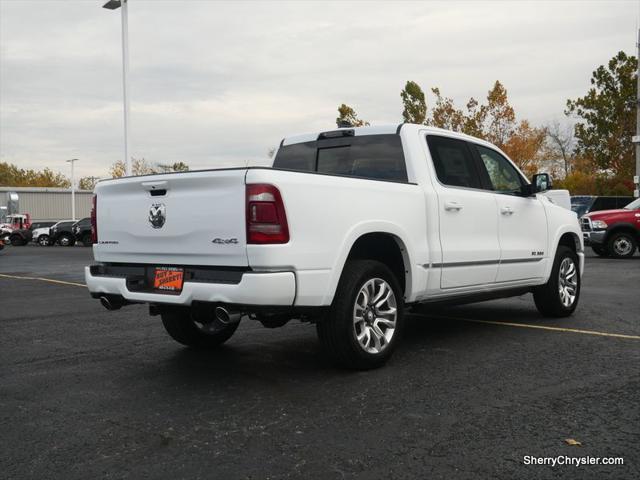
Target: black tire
{"x":17,"y":240}
{"x":43,"y":240}
{"x":600,"y":250}
{"x":548,"y":296}
{"x":181,"y":324}
{"x":86,"y":240}
{"x":66,"y":240}
{"x":337,"y":330}
{"x":622,"y":245}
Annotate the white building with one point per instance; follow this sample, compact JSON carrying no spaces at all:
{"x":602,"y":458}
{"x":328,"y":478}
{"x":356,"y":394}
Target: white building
{"x":44,"y":203}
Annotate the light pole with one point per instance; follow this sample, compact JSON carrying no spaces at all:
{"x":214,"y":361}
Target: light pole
{"x":73,"y":189}
{"x":636,"y":178}
{"x":114,"y":5}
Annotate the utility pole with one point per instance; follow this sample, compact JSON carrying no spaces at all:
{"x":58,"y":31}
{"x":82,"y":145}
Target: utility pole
{"x":636,"y":139}
{"x":114,"y":5}
{"x":73,"y":189}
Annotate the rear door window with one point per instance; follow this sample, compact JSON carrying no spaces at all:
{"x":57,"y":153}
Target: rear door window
{"x":453,"y":161}
{"x":377,"y":157}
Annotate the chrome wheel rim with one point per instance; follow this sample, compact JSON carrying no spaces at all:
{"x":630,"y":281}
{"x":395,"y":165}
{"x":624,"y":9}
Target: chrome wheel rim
{"x":622,"y":246}
{"x":568,"y":282}
{"x":64,"y":241}
{"x":43,"y":240}
{"x":375,"y":314}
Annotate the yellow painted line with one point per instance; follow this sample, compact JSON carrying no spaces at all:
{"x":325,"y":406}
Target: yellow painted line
{"x":543,"y":327}
{"x":49,"y":280}
{"x":471,"y":320}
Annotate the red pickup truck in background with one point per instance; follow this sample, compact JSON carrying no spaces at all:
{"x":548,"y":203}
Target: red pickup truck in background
{"x":614,"y":233}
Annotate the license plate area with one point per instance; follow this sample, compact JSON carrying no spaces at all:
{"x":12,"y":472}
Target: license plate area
{"x":168,"y":279}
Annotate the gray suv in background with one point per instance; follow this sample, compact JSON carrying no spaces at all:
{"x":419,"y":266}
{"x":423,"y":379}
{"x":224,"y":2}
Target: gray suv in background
{"x":583,"y":204}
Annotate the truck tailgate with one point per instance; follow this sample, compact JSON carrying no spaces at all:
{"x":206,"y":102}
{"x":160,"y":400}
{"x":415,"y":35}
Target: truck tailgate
{"x":191,"y":218}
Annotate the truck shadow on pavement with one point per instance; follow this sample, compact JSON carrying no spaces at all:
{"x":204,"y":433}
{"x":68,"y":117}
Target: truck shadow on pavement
{"x":292,"y":354}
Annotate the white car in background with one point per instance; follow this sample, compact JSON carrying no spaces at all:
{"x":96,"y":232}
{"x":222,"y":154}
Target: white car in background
{"x":41,"y":234}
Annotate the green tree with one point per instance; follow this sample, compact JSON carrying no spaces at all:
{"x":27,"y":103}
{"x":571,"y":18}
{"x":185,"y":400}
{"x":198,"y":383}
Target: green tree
{"x":606,"y":116}
{"x":87,"y":183}
{"x":445,"y":114}
{"x":414,"y":102}
{"x":180,"y":167}
{"x":174,"y":167}
{"x":139,"y":166}
{"x":12,"y":176}
{"x":500,"y":117}
{"x":347,"y":114}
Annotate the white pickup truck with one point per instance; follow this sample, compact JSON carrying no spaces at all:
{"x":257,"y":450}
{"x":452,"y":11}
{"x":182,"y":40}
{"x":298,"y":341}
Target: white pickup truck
{"x":346,"y":230}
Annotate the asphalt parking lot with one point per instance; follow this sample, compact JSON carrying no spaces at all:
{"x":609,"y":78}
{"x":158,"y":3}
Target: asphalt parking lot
{"x":87,"y":393}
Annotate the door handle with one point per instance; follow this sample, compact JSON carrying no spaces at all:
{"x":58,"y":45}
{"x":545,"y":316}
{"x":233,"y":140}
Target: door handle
{"x":506,"y":211}
{"x":452,"y":206}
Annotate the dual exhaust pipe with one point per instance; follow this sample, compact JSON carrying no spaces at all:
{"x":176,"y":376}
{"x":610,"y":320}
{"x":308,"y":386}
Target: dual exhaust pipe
{"x":227,"y":317}
{"x":222,"y":315}
{"x":111,"y":302}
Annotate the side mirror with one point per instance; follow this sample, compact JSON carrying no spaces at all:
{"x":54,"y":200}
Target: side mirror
{"x":541,"y":182}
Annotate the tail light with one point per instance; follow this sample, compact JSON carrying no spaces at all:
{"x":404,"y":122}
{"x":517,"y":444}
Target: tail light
{"x":266,"y":218}
{"x":94,"y":220}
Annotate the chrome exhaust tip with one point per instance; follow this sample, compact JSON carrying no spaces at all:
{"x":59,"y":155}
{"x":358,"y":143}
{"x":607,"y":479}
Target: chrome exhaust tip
{"x":226,"y":317}
{"x":110,"y":304}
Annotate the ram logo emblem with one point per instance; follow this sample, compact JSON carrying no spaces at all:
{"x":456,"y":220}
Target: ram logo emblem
{"x":157,"y":215}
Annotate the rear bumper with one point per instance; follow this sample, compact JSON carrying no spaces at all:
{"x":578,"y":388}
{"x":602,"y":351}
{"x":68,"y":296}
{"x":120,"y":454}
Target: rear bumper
{"x":278,"y":288}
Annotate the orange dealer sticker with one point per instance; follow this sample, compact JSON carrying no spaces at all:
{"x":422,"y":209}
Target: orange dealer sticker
{"x":168,"y":278}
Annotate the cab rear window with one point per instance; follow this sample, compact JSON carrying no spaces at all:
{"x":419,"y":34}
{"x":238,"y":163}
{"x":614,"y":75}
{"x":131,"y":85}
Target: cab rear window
{"x":378,"y":157}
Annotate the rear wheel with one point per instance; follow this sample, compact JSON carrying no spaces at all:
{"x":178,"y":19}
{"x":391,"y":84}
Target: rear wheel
{"x":196,"y":329}
{"x":600,"y":250}
{"x":86,"y":240}
{"x":559,"y":296}
{"x":366,"y":319}
{"x":43,"y":240}
{"x":17,"y":240}
{"x":622,"y":245}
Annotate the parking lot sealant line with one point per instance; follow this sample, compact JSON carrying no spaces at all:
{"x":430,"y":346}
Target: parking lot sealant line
{"x":49,"y":280}
{"x":543,"y":327}
{"x":486,"y":322}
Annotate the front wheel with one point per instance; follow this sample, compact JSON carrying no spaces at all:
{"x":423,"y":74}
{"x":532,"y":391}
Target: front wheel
{"x":622,"y":245}
{"x":43,"y":240}
{"x":365,"y":321}
{"x":196,"y":328}
{"x":559,"y":296}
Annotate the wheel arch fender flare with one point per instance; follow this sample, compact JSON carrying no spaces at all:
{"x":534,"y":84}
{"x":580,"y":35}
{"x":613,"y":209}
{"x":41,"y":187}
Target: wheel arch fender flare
{"x":23,"y":234}
{"x":560,"y":236}
{"x":623,"y":227}
{"x":357,"y":232}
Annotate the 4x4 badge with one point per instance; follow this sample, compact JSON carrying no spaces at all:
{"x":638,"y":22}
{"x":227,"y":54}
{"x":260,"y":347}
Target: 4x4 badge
{"x":157,"y":215}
